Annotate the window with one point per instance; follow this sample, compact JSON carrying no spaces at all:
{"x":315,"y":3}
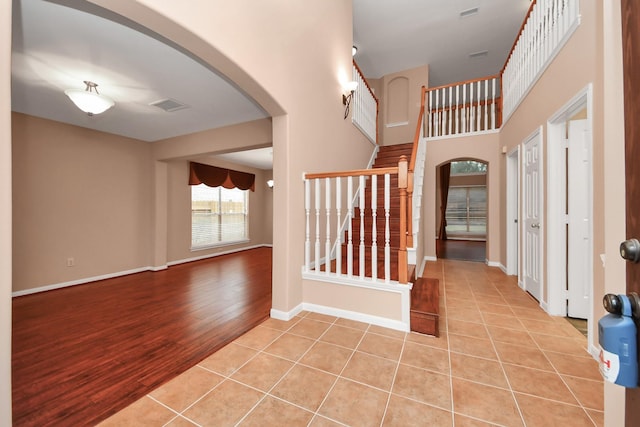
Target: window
{"x":467,"y":212}
{"x":218,"y":216}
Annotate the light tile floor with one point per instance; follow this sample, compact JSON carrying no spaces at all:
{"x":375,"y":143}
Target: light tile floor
{"x":500,"y":360}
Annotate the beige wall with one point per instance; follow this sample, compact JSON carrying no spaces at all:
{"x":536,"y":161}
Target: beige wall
{"x":77,"y":193}
{"x":5,"y":213}
{"x":99,"y":201}
{"x":400,"y":104}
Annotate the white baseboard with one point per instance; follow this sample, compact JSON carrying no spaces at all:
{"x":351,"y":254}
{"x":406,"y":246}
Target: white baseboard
{"x":123,"y":273}
{"x":345,"y":314}
{"x":359,"y":317}
{"x":286,"y":315}
{"x":198,"y":258}
{"x":78,"y":282}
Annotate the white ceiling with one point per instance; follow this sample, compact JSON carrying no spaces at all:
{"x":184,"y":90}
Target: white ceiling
{"x":59,"y":43}
{"x":396,"y":35}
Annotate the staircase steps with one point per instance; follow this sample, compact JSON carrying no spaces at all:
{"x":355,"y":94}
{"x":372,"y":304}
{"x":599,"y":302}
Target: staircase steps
{"x":388,"y":156}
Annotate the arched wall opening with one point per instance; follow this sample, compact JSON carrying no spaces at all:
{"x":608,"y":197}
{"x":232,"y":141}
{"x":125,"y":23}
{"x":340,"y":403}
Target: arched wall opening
{"x":461,"y":209}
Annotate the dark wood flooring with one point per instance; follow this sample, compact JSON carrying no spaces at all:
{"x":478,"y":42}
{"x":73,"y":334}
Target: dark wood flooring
{"x":82,"y":353}
{"x":465,"y":250}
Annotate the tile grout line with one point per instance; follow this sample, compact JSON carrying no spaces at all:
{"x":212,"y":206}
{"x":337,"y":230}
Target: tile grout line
{"x":393,"y":381}
{"x":228,"y":377}
{"x":338,"y":376}
{"x":295,"y":363}
{"x":446,"y":321}
{"x":493,"y":345}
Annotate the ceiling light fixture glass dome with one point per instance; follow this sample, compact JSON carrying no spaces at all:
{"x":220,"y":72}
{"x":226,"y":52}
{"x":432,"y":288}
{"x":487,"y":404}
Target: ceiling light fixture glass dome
{"x":89,"y":100}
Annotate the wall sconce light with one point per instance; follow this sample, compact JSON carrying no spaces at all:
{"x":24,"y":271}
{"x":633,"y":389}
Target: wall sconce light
{"x":89,"y":100}
{"x":270,"y":183}
{"x":349,"y":88}
{"x":354,"y":50}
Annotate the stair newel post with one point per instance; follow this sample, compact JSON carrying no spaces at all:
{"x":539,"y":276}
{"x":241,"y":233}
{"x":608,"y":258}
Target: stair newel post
{"x":338,"y":229}
{"x":387,"y":248}
{"x":410,"y":209}
{"x":361,"y":205}
{"x":402,"y":251}
{"x":350,"y":226}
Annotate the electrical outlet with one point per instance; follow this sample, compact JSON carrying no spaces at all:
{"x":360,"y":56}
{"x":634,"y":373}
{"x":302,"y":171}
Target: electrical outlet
{"x":71,"y":262}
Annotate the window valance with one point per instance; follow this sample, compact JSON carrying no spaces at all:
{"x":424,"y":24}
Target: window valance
{"x":219,"y":177}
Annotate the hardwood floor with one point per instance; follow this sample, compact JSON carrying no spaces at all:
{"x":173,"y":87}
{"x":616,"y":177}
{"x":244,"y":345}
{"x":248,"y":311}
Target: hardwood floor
{"x":463,"y":250}
{"x":82,"y":353}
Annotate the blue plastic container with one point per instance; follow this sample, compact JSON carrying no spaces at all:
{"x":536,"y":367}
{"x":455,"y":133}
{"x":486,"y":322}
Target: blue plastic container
{"x":618,"y":351}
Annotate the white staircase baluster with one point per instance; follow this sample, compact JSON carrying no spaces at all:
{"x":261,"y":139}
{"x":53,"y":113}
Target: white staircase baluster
{"x":486,"y":104}
{"x":449,"y":107}
{"x":307,"y":240}
{"x":478,"y":115}
{"x":457,"y":109}
{"x":374,"y":242}
{"x":464,"y":108}
{"x":430,"y":106}
{"x":327,"y":245}
{"x":472,"y":116}
{"x":317,"y":246}
{"x":437,"y":124}
{"x":493,"y":103}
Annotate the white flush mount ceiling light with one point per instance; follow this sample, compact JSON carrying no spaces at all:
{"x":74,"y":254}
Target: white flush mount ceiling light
{"x":89,"y":100}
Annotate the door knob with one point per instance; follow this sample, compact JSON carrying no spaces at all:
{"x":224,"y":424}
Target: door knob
{"x":537,"y":225}
{"x":630,"y":250}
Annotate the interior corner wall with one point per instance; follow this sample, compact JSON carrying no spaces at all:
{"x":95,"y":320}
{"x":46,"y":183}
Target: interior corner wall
{"x":399,"y":111}
{"x":179,"y":211}
{"x":574,"y":67}
{"x":5,"y":213}
{"x":481,"y":147}
{"x":77,"y":193}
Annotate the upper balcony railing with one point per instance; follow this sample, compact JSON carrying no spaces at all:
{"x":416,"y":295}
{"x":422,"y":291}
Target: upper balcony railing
{"x":365,"y":107}
{"x":546,"y":28}
{"x":462,"y":108}
{"x":484,"y":104}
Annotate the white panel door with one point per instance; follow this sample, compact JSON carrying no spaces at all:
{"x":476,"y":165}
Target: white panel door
{"x":532,"y":213}
{"x":578,"y":236}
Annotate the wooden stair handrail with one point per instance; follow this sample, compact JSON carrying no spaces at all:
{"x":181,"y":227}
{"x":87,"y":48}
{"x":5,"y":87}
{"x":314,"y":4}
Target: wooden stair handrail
{"x":355,"y":172}
{"x":524,"y":22}
{"x":411,"y":168}
{"x":364,"y":79}
{"x":479,"y":79}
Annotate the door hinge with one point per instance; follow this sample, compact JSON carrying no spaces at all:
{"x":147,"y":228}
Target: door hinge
{"x":565,"y":219}
{"x":565,"y":143}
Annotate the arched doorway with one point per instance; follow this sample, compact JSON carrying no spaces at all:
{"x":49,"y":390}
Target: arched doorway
{"x":461,"y":214}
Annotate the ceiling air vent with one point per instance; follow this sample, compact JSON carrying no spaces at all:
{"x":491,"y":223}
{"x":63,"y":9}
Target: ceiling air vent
{"x":169,"y":105}
{"x":479,"y":54}
{"x":469,"y":12}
